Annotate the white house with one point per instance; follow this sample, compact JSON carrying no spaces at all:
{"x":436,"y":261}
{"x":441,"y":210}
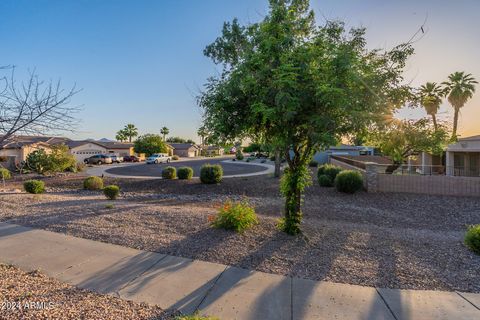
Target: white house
{"x":463,"y":157}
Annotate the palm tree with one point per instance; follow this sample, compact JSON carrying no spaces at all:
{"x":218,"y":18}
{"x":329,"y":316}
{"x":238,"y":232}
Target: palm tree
{"x":130,"y":131}
{"x":120,"y":136}
{"x":458,"y":89}
{"x":164,"y":131}
{"x":430,"y":95}
{"x":202,"y":133}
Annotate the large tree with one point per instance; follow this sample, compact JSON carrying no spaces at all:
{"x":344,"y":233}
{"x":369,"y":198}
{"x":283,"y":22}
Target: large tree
{"x":459,"y":88}
{"x":300,"y":86}
{"x":150,"y":144}
{"x":400,"y":139}
{"x":430,"y":97}
{"x":34,"y":107}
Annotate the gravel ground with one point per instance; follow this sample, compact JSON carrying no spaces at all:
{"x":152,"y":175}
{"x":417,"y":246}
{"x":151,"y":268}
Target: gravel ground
{"x":387,"y":240}
{"x":33,"y":295}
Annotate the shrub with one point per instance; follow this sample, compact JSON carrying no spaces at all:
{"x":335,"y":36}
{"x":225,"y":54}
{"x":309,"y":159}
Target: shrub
{"x":5,"y":174}
{"x":175,"y":157}
{"x":239,"y":154}
{"x":111,"y":192}
{"x":34,"y":186}
{"x":109,"y":206}
{"x":313,"y":163}
{"x":325,"y":181}
{"x":330,"y":170}
{"x":349,"y":181}
{"x":237,"y":216}
{"x":185,"y":173}
{"x":58,"y":160}
{"x":169,"y":173}
{"x":210,"y":174}
{"x":472,"y":238}
{"x":93,"y":183}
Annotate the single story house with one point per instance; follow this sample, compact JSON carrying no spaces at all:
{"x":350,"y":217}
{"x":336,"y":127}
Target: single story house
{"x":120,"y":148}
{"x":85,"y":149}
{"x":343,"y":150}
{"x":18,"y":147}
{"x":213,"y":151}
{"x":187,"y":150}
{"x":463,"y":157}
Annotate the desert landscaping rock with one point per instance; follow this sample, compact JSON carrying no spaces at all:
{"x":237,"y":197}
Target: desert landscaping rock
{"x":389,"y":240}
{"x":63,"y":301}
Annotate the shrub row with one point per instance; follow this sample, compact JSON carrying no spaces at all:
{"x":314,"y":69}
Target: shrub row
{"x":347,"y":181}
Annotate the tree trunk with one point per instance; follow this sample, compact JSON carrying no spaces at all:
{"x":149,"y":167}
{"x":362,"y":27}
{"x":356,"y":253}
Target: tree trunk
{"x":292,"y":188}
{"x":278,"y":163}
{"x":434,"y":118}
{"x":455,"y":123}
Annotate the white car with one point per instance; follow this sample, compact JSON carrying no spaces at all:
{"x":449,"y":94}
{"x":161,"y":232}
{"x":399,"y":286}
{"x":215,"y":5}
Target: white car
{"x":158,"y":158}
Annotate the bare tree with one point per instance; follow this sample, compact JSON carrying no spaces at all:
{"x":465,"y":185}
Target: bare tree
{"x":35,"y":107}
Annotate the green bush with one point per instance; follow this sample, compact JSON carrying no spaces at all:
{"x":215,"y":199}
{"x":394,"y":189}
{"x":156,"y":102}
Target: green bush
{"x":313,"y":163}
{"x":93,"y":183}
{"x":325,"y":181}
{"x":237,"y":216}
{"x":58,"y":160}
{"x":210,"y":174}
{"x":329,"y":170}
{"x":169,"y":173}
{"x":239,"y":154}
{"x":185,"y":173}
{"x":34,"y":186}
{"x":349,"y":181}
{"x":175,"y":157}
{"x":111,"y":192}
{"x":472,"y":238}
{"x":5,"y":174}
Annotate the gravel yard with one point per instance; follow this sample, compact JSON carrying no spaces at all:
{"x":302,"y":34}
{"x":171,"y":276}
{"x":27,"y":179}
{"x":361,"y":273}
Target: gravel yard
{"x":385,"y":240}
{"x":33,"y":295}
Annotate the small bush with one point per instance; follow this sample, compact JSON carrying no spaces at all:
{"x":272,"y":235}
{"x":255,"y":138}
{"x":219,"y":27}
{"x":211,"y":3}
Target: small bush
{"x":34,"y":186}
{"x":211,"y":174}
{"x":175,"y":157}
{"x":239,"y":155}
{"x":5,"y":174}
{"x":329,"y":170}
{"x":472,"y":238}
{"x":111,"y":192}
{"x":185,"y":173}
{"x":169,"y":173}
{"x":109,"y":206}
{"x":237,"y":216}
{"x":196,"y":316}
{"x":325,"y":181}
{"x":349,"y":181}
{"x":313,"y":164}
{"x":93,"y":183}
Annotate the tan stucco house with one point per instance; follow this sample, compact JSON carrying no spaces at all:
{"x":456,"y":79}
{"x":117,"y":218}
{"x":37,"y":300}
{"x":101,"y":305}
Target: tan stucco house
{"x":463,"y":157}
{"x":187,"y":150}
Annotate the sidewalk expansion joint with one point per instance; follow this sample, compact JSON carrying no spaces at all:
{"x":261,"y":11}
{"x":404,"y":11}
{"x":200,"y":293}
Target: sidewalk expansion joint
{"x":466,"y":299}
{"x":211,"y":288}
{"x":386,"y":304}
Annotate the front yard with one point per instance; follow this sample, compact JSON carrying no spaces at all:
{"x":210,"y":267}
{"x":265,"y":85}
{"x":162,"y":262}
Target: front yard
{"x":385,"y":240}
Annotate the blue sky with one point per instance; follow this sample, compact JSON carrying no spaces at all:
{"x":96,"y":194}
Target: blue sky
{"x":141,"y":61}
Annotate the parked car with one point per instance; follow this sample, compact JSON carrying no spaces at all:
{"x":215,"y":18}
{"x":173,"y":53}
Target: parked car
{"x":98,"y":159}
{"x":159,"y":158}
{"x":116,"y":159}
{"x":131,"y":159}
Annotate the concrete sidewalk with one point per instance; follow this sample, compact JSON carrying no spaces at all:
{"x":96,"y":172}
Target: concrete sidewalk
{"x":215,"y":289}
